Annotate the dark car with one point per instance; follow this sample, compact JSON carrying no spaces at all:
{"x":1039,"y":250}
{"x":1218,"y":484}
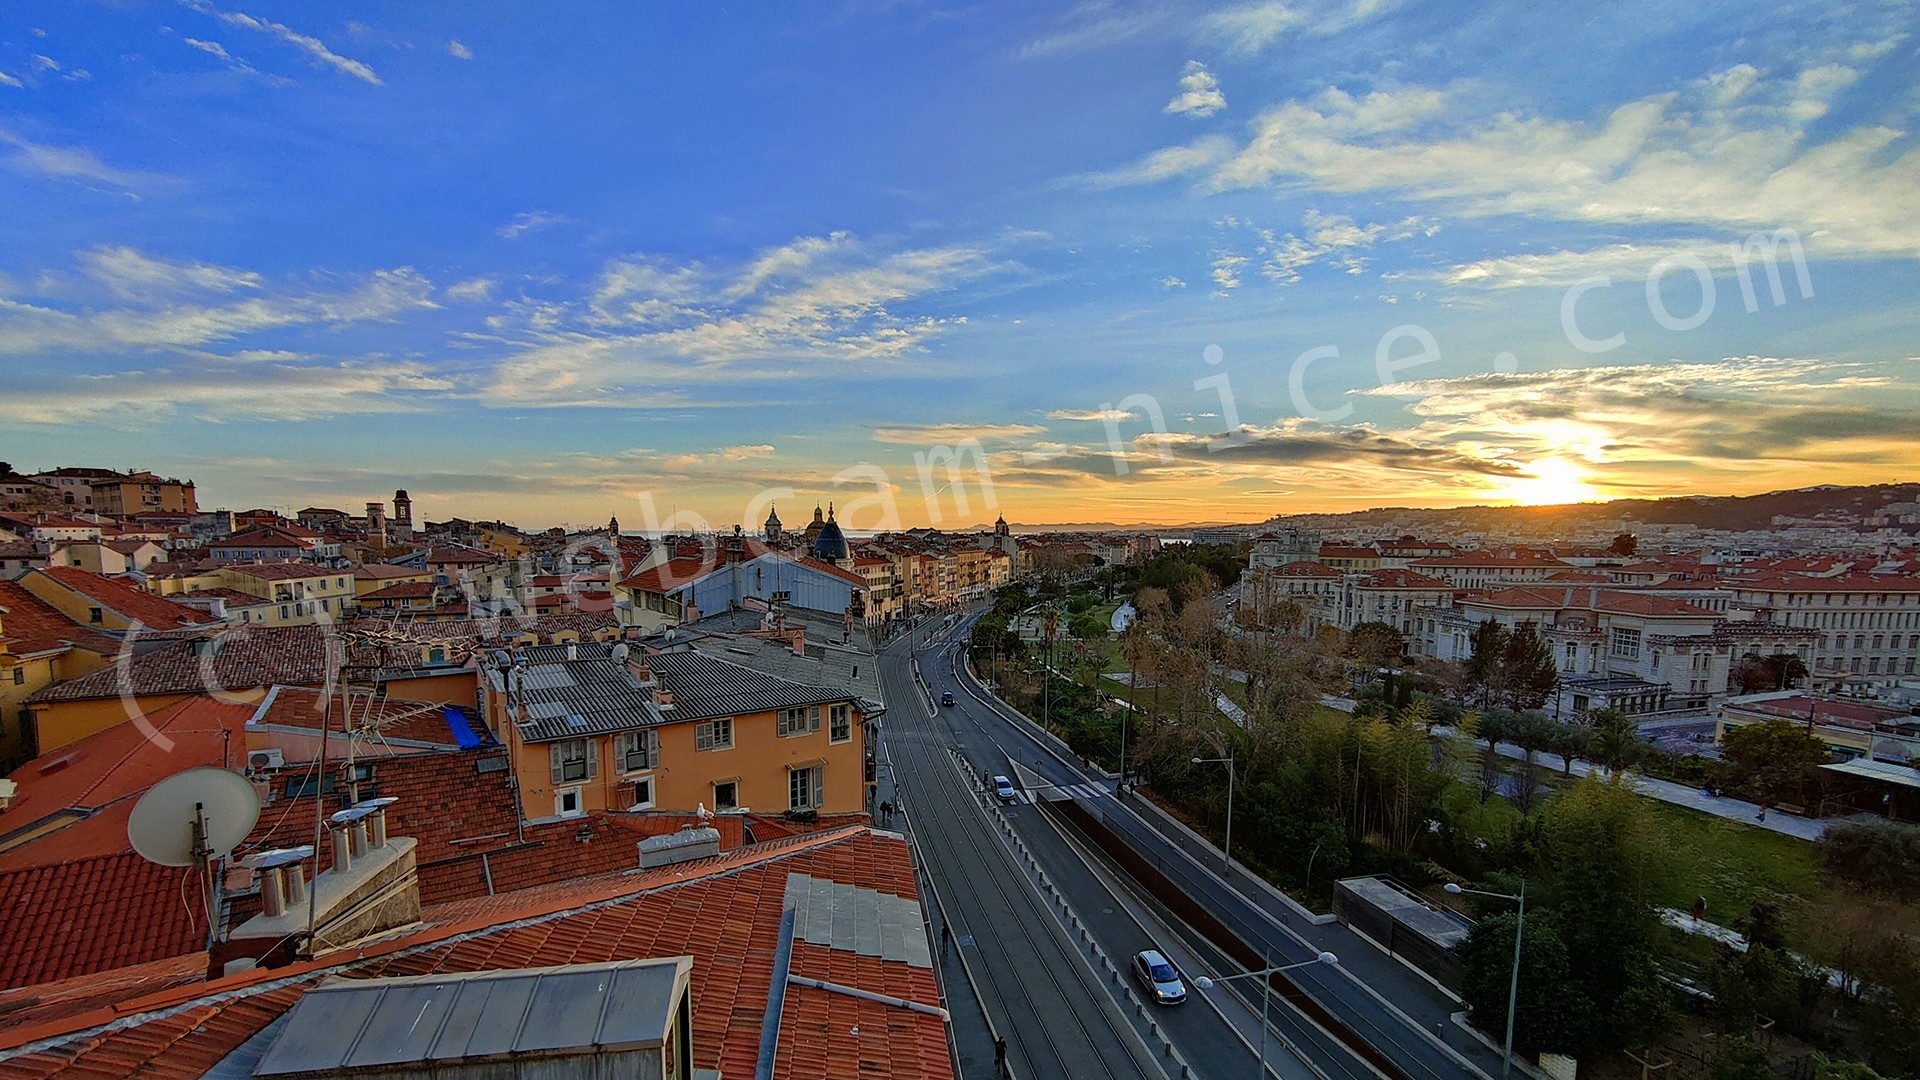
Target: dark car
{"x":946,"y":698}
{"x":1157,"y":977}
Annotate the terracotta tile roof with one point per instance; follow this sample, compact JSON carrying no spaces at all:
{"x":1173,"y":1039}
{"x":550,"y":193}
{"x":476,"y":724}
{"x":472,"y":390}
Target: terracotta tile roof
{"x":301,"y":707}
{"x":233,"y":597}
{"x":285,"y":571}
{"x":725,"y":912}
{"x":672,"y":574}
{"x":247,"y":657}
{"x":31,"y":625}
{"x":57,"y":1000}
{"x":1591,"y":599}
{"x":383,"y":571}
{"x":1400,"y":579}
{"x":269,"y":536}
{"x":404,"y":590}
{"x":97,"y":780}
{"x":1842,"y":583}
{"x":1307,"y":569}
{"x":91,"y":914}
{"x":1484,"y":559}
{"x":460,"y":556}
{"x":149,"y":610}
{"x":1340,"y":551}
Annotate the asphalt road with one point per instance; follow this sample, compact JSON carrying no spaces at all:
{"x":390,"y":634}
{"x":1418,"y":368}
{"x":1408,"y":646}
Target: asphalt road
{"x":1057,"y":1014}
{"x":988,"y":736}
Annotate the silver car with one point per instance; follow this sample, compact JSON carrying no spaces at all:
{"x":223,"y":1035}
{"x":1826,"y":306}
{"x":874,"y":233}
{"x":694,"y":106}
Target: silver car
{"x":1157,"y":977}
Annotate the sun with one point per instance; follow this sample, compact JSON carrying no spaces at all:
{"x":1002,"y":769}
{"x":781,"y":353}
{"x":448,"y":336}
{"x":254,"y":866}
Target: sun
{"x":1550,"y":481}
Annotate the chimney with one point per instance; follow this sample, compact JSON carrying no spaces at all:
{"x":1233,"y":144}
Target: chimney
{"x":573,"y":650}
{"x":372,"y":887}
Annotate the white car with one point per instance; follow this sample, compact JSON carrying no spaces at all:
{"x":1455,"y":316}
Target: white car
{"x":1157,"y":977}
{"x":1003,"y":789}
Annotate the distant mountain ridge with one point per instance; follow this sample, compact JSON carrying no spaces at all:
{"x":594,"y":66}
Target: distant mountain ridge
{"x":1731,"y":512}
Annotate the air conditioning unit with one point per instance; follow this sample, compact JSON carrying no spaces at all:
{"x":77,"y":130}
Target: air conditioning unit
{"x":265,"y":762}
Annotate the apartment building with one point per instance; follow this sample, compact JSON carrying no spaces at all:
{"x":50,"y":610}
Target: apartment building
{"x":1866,"y":626}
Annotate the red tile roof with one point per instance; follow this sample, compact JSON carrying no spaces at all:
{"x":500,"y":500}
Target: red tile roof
{"x":31,"y":625}
{"x":383,"y":571}
{"x":248,"y":657}
{"x":149,"y":610}
{"x":1591,"y":599}
{"x":1842,"y":583}
{"x":301,"y":707}
{"x":269,"y":536}
{"x":724,"y":912}
{"x":285,"y":571}
{"x":404,"y":590}
{"x":1307,"y":569}
{"x":1401,"y":579}
{"x":98,"y":779}
{"x":84,"y":915}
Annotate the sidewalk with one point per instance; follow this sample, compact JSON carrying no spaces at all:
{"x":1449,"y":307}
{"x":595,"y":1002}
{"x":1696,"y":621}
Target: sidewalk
{"x":1685,"y":795}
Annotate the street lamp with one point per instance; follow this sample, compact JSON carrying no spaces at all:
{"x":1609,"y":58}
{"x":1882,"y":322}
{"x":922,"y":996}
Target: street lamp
{"x":1266,"y":992}
{"x":1226,"y":853}
{"x":1513,"y":988}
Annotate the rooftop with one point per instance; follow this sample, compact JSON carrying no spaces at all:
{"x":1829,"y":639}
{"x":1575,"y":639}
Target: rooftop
{"x":134,"y":603}
{"x":31,"y":625}
{"x":724,"y":912}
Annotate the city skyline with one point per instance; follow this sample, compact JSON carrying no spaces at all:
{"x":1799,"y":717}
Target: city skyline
{"x":1347,"y":254}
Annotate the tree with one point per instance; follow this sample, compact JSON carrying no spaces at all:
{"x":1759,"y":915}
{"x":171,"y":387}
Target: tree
{"x":1553,"y":1013}
{"x":1528,"y":671}
{"x":1880,"y":857}
{"x":1087,"y":626}
{"x":1624,"y":544}
{"x":1487,"y":664}
{"x":1604,"y":869}
{"x":1774,"y":756}
{"x":1616,"y":742}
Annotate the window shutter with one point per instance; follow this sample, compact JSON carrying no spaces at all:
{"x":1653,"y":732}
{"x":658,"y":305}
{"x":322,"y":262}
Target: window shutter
{"x":593,"y":758}
{"x":553,"y":762}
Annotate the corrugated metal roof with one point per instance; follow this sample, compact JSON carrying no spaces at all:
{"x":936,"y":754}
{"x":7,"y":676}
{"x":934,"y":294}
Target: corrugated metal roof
{"x":590,"y":695}
{"x":352,"y":1025}
{"x":704,"y":686}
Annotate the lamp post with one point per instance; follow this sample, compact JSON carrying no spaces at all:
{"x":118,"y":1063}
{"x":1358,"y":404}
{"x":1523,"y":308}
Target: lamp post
{"x":1265,"y":975}
{"x":1226,"y":853}
{"x":1513,"y":987}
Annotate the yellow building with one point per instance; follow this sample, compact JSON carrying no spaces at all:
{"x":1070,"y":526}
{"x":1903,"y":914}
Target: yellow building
{"x":606,"y":727}
{"x":39,"y":646}
{"x":294,"y":594}
{"x":140,"y":492}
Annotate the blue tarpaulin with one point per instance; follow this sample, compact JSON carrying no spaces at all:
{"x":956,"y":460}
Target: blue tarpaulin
{"x":466,"y":734}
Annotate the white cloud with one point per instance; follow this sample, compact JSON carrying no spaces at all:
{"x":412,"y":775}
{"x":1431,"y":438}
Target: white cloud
{"x":8,"y":80}
{"x":473,"y":289}
{"x":1165,"y":164}
{"x":530,"y":221}
{"x":70,"y":163}
{"x":1727,"y":152}
{"x":1172,"y":282}
{"x":157,"y":319}
{"x":459,"y":51}
{"x":211,"y":48}
{"x":647,"y":324}
{"x":1091,"y":415}
{"x":1226,"y":270}
{"x":132,"y":275}
{"x":312,"y":46}
{"x":1095,"y":24}
{"x":945,"y":434}
{"x":1199,"y":92}
{"x":221,"y":391}
{"x":1250,"y":28}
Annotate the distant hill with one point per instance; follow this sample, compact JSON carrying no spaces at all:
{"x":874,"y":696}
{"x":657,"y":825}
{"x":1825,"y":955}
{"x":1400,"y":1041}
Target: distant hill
{"x":1733,"y":512}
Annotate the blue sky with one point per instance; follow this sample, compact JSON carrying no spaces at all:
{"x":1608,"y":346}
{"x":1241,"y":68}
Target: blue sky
{"x":639,"y":259}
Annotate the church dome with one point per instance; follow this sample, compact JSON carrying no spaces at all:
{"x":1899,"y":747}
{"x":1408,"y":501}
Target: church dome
{"x":831,"y":544}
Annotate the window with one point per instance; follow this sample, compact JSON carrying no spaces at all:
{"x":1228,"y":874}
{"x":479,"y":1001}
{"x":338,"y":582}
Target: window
{"x":802,"y":721}
{"x":714,"y":735}
{"x":93,"y":615}
{"x":566,"y":802}
{"x":634,"y":751}
{"x":1626,"y":643}
{"x":839,"y":722}
{"x":637,"y":794}
{"x":803,"y":789}
{"x":283,"y":611}
{"x":571,"y":761}
{"x":19,"y":675}
{"x":726,"y":794}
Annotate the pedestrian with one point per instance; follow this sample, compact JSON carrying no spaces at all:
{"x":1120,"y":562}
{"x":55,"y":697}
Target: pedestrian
{"x":1762,"y":815}
{"x":946,"y":937}
{"x":886,"y":811}
{"x":1000,"y":1055}
{"x":1699,"y":908}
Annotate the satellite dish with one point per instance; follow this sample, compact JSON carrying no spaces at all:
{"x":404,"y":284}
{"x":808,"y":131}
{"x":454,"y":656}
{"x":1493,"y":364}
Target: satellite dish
{"x":194,"y":815}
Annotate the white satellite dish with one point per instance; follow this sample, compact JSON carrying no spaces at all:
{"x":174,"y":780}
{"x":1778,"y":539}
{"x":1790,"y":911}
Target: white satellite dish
{"x":193,"y":816}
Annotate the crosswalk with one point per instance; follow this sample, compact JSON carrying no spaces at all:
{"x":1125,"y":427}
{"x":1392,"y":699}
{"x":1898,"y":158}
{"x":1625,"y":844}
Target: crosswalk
{"x":1063,"y":792}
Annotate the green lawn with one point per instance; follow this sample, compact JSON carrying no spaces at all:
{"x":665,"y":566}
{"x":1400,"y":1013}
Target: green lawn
{"x":1733,"y":864}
